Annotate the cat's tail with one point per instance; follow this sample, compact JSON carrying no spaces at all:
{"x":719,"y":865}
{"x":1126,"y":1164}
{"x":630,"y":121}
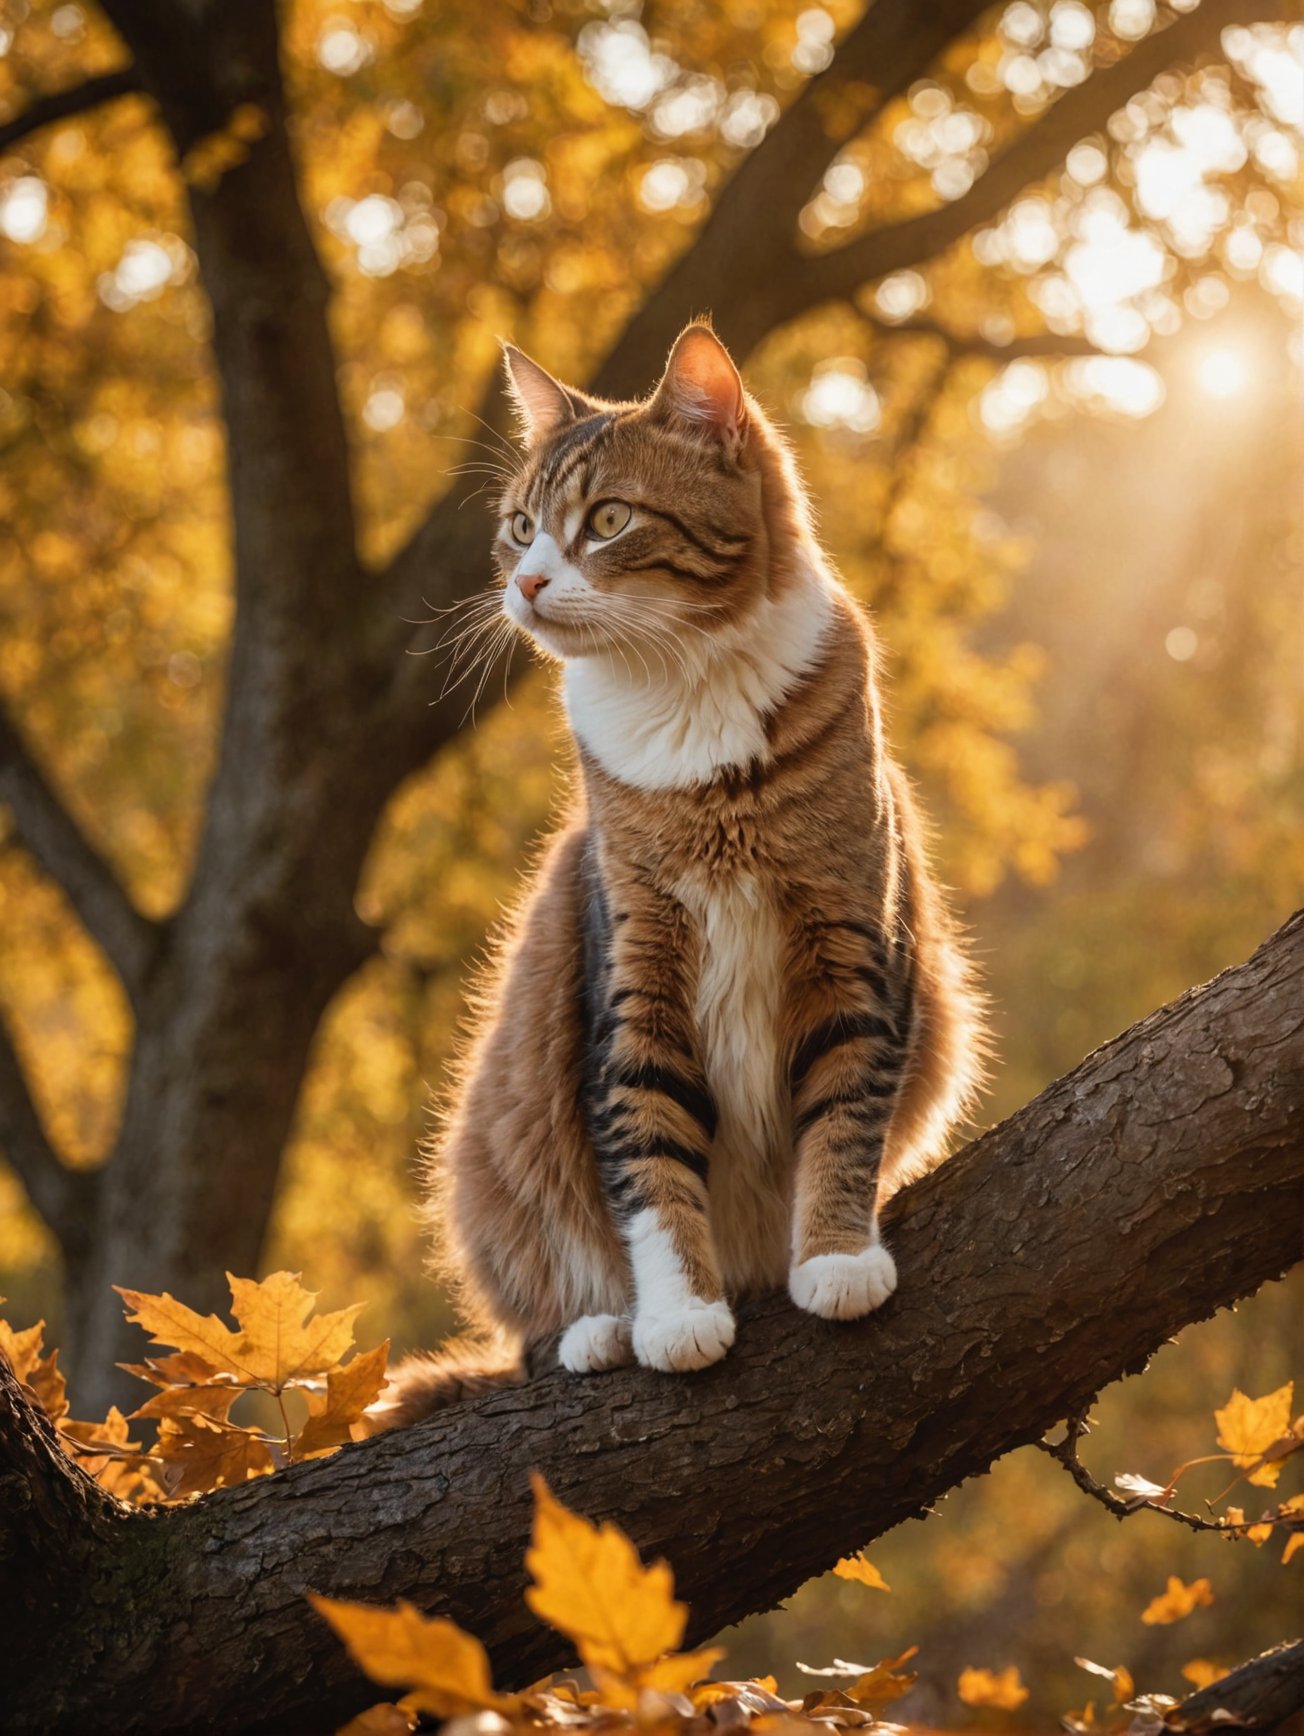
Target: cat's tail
{"x":463,"y":1368}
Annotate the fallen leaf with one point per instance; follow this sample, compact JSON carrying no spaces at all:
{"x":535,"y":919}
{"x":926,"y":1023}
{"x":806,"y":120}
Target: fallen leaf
{"x":1120,"y":1678}
{"x":1177,"y":1601}
{"x":279,"y":1338}
{"x":590,"y":1585}
{"x":1293,"y":1546}
{"x":861,"y":1569}
{"x":445,"y":1670}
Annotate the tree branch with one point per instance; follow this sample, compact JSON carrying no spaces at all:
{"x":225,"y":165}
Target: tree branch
{"x":1259,"y":1695}
{"x":59,"y":105}
{"x":49,"y":832}
{"x":1036,"y":153}
{"x":64,"y":1197}
{"x":1159,"y":1181}
{"x":1049,"y":344}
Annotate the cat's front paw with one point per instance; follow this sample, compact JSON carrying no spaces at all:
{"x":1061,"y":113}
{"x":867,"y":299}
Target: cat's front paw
{"x":681,"y":1339}
{"x":843,"y":1286}
{"x":596,"y":1343}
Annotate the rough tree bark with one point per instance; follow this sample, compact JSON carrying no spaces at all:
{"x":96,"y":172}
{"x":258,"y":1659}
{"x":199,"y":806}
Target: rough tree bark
{"x":325,"y":716}
{"x":1159,"y":1181}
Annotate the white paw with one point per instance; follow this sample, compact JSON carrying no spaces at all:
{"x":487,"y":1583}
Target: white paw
{"x":680,"y":1339}
{"x":595,"y":1343}
{"x":843,"y":1286}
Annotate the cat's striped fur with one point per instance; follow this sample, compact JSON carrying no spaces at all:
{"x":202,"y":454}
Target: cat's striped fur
{"x":731,"y":1009}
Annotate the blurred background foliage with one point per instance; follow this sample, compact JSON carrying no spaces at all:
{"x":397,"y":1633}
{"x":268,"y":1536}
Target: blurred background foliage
{"x":1086,"y":570}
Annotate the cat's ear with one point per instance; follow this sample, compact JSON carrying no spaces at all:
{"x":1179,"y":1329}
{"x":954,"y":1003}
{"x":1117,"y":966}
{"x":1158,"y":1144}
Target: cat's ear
{"x":542,"y":403}
{"x":701,"y":387}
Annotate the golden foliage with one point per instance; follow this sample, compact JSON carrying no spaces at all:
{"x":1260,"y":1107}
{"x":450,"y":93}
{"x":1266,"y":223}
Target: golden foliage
{"x":1257,"y":1432}
{"x":1176,"y":1601}
{"x":860,"y":1568}
{"x":1002,"y":1690}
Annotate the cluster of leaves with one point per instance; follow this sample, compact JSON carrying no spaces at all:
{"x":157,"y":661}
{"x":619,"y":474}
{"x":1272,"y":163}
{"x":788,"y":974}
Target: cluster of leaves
{"x":1257,"y":1436}
{"x":626,"y":1626}
{"x":281,"y":1348}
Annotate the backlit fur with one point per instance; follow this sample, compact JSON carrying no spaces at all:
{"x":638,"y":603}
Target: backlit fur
{"x":731,"y":1011}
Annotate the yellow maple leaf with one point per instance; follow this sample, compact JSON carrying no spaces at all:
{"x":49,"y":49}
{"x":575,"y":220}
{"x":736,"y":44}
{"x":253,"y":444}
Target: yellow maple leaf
{"x":1177,"y":1601}
{"x":1203,"y":1672}
{"x":1249,"y":1427}
{"x":445,"y":1670}
{"x":280,"y":1339}
{"x":1001,"y":1689}
{"x":106,"y":1452}
{"x":349,"y":1390}
{"x":590,"y":1585}
{"x":23,"y":1349}
{"x":861,"y":1569}
{"x":39,"y":1373}
{"x":1293,"y":1545}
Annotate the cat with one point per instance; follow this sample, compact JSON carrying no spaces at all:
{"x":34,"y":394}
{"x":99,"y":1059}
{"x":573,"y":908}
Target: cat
{"x":732,"y":1009}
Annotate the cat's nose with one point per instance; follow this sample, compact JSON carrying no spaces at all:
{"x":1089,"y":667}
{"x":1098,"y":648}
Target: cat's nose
{"x":531,"y":584}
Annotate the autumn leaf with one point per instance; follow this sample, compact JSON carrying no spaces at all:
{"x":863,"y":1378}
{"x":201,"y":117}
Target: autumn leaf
{"x":860,"y":1568}
{"x":590,"y":1585}
{"x":445,"y":1670}
{"x":1141,"y":1488}
{"x":106,"y":1452}
{"x":1248,"y":1428}
{"x":40,"y":1374}
{"x":1003,"y":1690}
{"x":1203,"y":1673}
{"x":279,"y":1340}
{"x":873,"y":1685}
{"x":199,"y":1453}
{"x":1293,"y":1546}
{"x":349,"y":1390}
{"x":1177,"y":1601}
{"x":1119,"y":1678}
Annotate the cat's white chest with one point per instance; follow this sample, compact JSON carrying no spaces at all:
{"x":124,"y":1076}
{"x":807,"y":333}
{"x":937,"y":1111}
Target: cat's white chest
{"x":739,"y":1009}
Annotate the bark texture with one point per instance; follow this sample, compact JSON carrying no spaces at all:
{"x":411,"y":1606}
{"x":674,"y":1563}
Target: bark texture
{"x":1159,"y":1181}
{"x":325,"y":716}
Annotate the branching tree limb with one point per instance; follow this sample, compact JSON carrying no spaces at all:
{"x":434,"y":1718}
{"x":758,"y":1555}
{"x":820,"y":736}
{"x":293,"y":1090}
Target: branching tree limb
{"x":65,"y":1198}
{"x":44,"y":825}
{"x":60,"y":105}
{"x":1160,"y":1180}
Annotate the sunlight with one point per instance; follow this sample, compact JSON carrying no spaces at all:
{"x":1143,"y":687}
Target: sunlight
{"x":1222,"y":373}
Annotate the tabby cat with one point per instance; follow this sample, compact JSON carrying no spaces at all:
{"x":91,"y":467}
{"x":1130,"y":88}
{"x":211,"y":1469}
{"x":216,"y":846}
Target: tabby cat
{"x":731,"y":1010}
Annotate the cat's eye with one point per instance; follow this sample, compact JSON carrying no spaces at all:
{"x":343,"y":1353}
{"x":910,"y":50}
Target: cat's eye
{"x":522,"y":527}
{"x":609,"y":518}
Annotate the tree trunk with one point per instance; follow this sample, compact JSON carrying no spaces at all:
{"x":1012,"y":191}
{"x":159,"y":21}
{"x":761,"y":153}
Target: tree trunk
{"x":1159,"y":1181}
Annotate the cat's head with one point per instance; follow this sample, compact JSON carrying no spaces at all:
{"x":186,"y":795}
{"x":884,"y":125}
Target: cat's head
{"x":628,"y":525}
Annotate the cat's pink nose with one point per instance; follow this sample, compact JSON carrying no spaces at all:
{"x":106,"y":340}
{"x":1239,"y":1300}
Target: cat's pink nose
{"x":531,"y":584}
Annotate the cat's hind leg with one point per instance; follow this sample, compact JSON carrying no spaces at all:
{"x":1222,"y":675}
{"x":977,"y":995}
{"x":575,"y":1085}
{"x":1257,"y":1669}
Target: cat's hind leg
{"x":596,"y":1343}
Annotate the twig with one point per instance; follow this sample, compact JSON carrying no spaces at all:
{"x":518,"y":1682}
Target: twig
{"x":61,"y":104}
{"x":1065,"y":1452}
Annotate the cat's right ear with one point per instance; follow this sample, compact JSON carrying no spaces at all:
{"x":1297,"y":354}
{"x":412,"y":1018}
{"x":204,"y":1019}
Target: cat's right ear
{"x":542,"y":403}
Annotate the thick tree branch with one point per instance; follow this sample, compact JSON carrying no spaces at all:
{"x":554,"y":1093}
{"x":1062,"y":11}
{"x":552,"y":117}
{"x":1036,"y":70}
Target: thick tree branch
{"x":1159,"y":1181}
{"x":1036,"y":153}
{"x":1259,"y":1695}
{"x":1048,"y":344}
{"x":65,"y":1198}
{"x":59,"y":105}
{"x":46,"y":829}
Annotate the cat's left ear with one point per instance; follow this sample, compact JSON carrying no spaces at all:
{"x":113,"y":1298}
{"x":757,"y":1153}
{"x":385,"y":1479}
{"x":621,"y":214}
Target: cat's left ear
{"x":701,"y":388}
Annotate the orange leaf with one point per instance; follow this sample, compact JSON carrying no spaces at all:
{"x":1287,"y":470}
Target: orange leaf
{"x":1177,"y":1601}
{"x":279,"y":1340}
{"x":591,"y":1586}
{"x":201,"y":1453}
{"x":445,"y":1670}
{"x":349,"y":1390}
{"x":1203,"y":1673}
{"x":861,"y":1569}
{"x":1249,"y":1427}
{"x":986,"y":1688}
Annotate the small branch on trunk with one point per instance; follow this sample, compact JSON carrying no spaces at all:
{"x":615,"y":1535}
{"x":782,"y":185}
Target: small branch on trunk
{"x":1065,"y":1452}
{"x":60,"y":105}
{"x":1049,"y":344}
{"x":65,"y":1198}
{"x":45,"y":827}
